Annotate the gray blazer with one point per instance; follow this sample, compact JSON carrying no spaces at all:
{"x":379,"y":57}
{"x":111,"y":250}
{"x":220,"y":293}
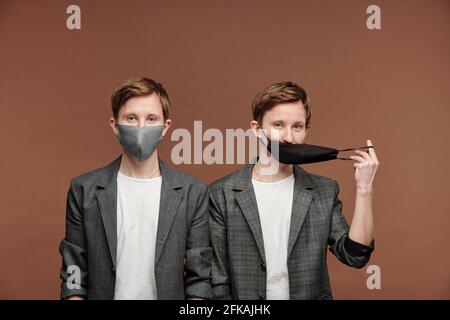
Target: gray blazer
{"x":183,"y":253}
{"x":317,"y":222}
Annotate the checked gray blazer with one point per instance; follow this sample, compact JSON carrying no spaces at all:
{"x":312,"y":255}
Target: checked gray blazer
{"x":183,"y":253}
{"x":317,"y":223}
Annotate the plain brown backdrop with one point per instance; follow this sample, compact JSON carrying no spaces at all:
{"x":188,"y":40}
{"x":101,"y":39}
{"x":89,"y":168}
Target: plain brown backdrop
{"x":390,"y":85}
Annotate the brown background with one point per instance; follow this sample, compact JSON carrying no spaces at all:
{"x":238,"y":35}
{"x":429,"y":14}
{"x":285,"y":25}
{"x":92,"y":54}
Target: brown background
{"x":390,"y":85}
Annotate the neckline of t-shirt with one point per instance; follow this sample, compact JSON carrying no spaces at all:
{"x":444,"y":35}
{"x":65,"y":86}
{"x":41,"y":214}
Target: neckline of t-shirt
{"x":291,"y":177}
{"x":138,"y":179}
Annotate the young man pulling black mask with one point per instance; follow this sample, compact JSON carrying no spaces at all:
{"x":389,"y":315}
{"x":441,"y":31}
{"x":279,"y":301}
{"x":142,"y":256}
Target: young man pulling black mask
{"x":270,"y":229}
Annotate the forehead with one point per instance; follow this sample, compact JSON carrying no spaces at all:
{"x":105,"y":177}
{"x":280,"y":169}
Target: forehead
{"x":290,"y":111}
{"x":142,"y":105}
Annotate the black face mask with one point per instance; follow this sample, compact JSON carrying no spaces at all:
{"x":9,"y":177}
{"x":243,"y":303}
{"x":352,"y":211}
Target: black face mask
{"x":302,"y":153}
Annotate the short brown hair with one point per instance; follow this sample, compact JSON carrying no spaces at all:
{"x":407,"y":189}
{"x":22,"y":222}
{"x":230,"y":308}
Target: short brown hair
{"x":281,"y":92}
{"x":138,"y":87}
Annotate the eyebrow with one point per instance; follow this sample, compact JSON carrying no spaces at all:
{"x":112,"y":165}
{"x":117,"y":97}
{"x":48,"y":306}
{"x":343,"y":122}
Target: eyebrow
{"x":282,"y":121}
{"x":126,"y":114}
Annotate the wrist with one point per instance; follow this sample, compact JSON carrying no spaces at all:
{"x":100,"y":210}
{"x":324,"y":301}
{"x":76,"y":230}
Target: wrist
{"x":364,"y":190}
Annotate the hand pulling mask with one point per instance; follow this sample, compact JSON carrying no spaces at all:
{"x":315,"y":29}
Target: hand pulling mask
{"x":302,"y":153}
{"x":138,"y":142}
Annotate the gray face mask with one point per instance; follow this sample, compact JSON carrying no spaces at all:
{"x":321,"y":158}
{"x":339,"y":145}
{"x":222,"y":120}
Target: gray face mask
{"x":140,"y":142}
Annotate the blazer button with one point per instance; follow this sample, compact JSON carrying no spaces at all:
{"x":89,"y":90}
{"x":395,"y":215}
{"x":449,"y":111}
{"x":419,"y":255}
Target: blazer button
{"x":263,"y":267}
{"x":113,"y":269}
{"x":262,"y":297}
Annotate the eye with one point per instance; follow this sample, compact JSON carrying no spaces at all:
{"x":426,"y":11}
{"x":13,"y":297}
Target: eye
{"x":131,"y":118}
{"x":151,"y":118}
{"x":298,"y":126}
{"x":277,"y":125}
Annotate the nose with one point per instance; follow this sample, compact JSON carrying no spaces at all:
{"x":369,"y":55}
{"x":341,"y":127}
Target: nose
{"x":287,"y":137}
{"x":141,"y":123}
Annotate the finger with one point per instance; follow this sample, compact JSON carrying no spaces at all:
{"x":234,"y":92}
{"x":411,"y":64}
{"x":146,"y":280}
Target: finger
{"x":364,"y":154}
{"x":372,"y":151}
{"x":357,"y":158}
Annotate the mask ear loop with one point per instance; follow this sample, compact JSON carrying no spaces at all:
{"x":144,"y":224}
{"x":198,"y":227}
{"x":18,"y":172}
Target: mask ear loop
{"x":266,"y":143}
{"x":343,"y":158}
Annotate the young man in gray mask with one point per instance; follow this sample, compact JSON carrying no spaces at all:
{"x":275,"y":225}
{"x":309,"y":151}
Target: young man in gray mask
{"x":137,"y":229}
{"x":271,"y":225}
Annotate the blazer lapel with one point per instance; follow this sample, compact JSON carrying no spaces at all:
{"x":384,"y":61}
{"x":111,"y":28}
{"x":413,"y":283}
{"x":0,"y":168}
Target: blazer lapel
{"x":169,"y":201}
{"x":303,"y":195}
{"x":246,"y":200}
{"x":107,"y":200}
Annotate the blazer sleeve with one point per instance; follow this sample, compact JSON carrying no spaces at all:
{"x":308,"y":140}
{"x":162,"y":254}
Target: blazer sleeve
{"x":349,"y":252}
{"x":73,"y":272}
{"x":220,"y":267}
{"x":198,"y":250}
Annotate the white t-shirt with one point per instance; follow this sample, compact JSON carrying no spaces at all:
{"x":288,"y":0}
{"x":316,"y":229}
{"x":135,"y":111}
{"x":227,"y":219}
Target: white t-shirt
{"x":137,"y":225}
{"x":274,"y":201}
